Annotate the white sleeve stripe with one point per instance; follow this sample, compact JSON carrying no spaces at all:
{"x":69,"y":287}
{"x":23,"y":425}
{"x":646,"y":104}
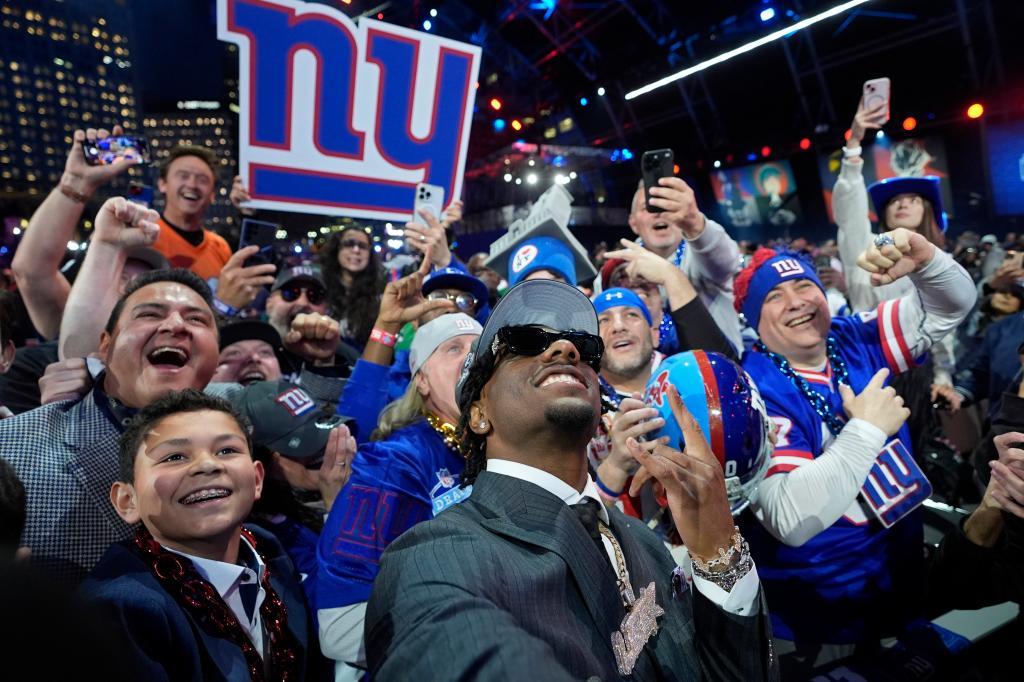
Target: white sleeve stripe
{"x":889,"y":321}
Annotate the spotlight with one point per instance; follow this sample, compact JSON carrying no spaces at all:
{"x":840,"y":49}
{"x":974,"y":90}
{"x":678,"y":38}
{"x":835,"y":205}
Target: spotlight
{"x":508,"y":177}
{"x":531,"y":179}
{"x":751,"y":156}
{"x":880,"y":135}
{"x":433,"y":12}
{"x":532,"y":162}
{"x":600,"y":91}
{"x":909,"y":123}
{"x":805,"y":143}
{"x":584,"y":101}
{"x":427,"y":24}
{"x":975,"y":110}
{"x":499,"y":124}
{"x":718,"y":164}
{"x":572,"y":175}
{"x":495,"y":104}
{"x":516,"y":125}
{"x":768,"y":14}
{"x":766,"y":151}
{"x":627,"y":155}
{"x":519,"y":181}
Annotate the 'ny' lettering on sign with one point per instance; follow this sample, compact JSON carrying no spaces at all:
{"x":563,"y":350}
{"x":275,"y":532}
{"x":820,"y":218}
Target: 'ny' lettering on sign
{"x":346,"y":119}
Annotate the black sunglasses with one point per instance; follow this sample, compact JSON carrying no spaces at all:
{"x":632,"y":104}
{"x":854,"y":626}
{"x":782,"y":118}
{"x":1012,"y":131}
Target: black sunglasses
{"x":315,"y":295}
{"x":355,"y":244}
{"x":532,"y":340}
{"x":465,"y":302}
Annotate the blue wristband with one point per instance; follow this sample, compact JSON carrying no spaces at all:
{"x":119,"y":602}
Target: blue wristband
{"x":223,"y":308}
{"x":605,"y":489}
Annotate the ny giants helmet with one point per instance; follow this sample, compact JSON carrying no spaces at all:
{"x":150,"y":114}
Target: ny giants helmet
{"x":726,"y":404}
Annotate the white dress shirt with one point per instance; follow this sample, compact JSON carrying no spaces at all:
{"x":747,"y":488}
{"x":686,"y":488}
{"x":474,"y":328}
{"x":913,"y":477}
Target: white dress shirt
{"x":741,"y":600}
{"x":226,"y":579}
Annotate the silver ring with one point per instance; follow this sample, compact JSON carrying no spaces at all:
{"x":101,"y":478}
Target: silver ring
{"x":423,"y":238}
{"x":883,"y":240}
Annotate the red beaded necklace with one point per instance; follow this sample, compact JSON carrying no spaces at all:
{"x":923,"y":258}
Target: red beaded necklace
{"x":179,"y":577}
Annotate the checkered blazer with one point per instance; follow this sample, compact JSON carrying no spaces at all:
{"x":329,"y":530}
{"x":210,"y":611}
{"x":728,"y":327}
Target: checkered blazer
{"x":66,"y":456}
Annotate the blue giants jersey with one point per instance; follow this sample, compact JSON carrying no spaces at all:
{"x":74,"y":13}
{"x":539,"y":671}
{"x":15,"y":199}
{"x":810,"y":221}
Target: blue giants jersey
{"x":860,"y":577}
{"x":396,"y":483}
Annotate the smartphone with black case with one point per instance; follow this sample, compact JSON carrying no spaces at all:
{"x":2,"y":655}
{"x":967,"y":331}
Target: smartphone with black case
{"x":104,"y":152}
{"x":262,"y":234}
{"x":655,"y":164}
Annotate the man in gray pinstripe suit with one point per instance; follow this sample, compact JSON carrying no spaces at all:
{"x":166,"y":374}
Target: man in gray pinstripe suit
{"x":530,"y":577}
{"x":161,"y":336}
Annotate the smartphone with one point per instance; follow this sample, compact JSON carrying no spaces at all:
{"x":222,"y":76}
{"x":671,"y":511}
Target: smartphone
{"x":104,"y":152}
{"x":1015,"y":259}
{"x":430,"y":197}
{"x":262,"y":234}
{"x":876,"y":92}
{"x":657,"y":163}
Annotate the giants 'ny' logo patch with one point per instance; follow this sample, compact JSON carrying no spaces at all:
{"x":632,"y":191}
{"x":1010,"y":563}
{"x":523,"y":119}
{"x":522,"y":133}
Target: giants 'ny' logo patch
{"x":787,"y":267}
{"x":297,"y":401}
{"x":895,"y":485}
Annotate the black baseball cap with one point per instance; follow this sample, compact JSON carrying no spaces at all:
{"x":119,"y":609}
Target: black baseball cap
{"x":286,"y":419}
{"x":543,"y":302}
{"x":309,"y":273}
{"x":255,"y":330}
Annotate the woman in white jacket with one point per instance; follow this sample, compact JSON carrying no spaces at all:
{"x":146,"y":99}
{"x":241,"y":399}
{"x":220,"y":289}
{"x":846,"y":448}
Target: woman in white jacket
{"x":914,"y":203}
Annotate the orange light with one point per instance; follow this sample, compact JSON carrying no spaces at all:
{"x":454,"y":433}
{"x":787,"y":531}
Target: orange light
{"x":766,"y":150}
{"x":516,"y":125}
{"x":847,"y":134}
{"x":675,"y":168}
{"x":909,"y":123}
{"x":495,"y":104}
{"x":975,"y":110}
{"x":805,"y":143}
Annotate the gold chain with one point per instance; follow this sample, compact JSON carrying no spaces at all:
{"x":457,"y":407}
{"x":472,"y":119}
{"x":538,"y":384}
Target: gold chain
{"x":447,"y":432}
{"x":625,"y":589}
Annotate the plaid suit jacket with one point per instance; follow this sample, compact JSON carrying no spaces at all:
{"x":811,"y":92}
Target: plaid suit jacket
{"x":66,"y":456}
{"x":508,"y":585}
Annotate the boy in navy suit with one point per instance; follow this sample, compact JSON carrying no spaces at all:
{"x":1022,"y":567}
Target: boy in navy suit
{"x":194,"y":594}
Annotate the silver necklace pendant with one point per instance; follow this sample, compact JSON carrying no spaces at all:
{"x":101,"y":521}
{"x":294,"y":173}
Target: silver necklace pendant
{"x":638,"y":626}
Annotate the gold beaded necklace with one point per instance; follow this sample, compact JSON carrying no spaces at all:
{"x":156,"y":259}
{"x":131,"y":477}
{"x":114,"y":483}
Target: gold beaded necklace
{"x":447,"y":431}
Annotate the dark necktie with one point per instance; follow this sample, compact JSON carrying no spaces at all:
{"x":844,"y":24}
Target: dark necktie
{"x":588,"y":512}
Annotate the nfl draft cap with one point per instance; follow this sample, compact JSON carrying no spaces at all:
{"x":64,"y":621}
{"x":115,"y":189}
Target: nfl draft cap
{"x":543,"y":302}
{"x":617,"y":296}
{"x":549,"y":217}
{"x":286,"y":419}
{"x":767,"y":270}
{"x":437,"y":331}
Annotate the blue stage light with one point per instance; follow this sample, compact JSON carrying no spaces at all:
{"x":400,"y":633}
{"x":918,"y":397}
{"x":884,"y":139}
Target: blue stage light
{"x":499,"y":124}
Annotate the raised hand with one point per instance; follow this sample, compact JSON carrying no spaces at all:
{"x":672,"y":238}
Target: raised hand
{"x":237,"y":285}
{"x":694,"y":484}
{"x":877,"y":404}
{"x":432,"y":238}
{"x":867,"y":119}
{"x":84,"y":179}
{"x":337,"y":465}
{"x":314,"y":337}
{"x":239,"y":196}
{"x":676,"y":199}
{"x":908,"y":252}
{"x":403,"y":301}
{"x":123,"y":224}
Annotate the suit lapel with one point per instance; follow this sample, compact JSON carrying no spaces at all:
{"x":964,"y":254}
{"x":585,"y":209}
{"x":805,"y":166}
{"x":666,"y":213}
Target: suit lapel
{"x":525,"y":512}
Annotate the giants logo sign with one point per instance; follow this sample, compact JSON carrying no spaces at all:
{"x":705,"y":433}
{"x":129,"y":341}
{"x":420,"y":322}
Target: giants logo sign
{"x":896,"y":485}
{"x":344,"y":119}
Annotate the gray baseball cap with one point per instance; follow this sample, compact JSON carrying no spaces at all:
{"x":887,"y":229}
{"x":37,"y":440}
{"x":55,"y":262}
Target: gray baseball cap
{"x":543,"y":302}
{"x":437,"y":331}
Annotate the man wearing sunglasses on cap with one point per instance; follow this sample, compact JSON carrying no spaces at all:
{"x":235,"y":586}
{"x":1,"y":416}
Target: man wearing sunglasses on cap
{"x":549,"y":583}
{"x":297,"y":309}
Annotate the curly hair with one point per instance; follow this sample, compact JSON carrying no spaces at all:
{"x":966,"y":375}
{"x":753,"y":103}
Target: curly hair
{"x":472,"y":445}
{"x":356,"y":306}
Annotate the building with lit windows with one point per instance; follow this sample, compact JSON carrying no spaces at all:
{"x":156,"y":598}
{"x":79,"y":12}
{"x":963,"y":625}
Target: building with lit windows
{"x":63,"y":65}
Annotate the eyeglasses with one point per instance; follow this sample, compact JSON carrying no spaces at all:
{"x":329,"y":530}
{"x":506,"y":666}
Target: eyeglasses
{"x":315,"y":295}
{"x":464,"y":301}
{"x":355,"y":244}
{"x":532,"y":340}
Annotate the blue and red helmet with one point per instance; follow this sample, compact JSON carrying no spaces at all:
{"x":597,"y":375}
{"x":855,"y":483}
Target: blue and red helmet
{"x":729,"y":409}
